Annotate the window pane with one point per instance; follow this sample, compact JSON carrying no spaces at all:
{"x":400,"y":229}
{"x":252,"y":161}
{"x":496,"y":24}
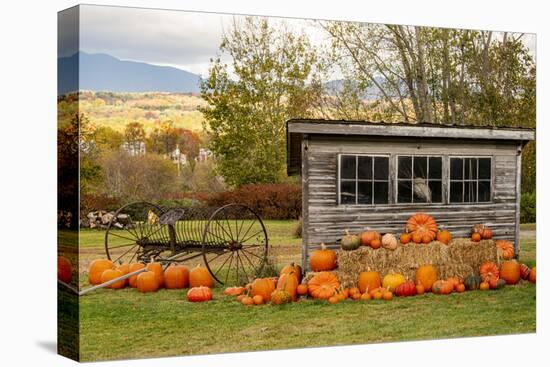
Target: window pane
{"x":380,"y":192}
{"x":435,"y":167}
{"x":435,"y":189}
{"x":364,"y":169}
{"x":404,"y":191}
{"x":470,"y":169}
{"x":456,"y":170}
{"x":348,"y":166}
{"x":484,"y":168}
{"x":364,"y":192}
{"x":421,"y":191}
{"x":456,"y":192}
{"x":484,"y":191}
{"x":381,"y":168}
{"x":470,"y":189}
{"x":347,"y":192}
{"x":404,"y":165}
{"x":420,"y":167}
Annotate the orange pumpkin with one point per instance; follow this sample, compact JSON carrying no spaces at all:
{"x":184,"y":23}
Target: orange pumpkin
{"x":376,"y":243}
{"x":159,"y":272}
{"x":420,"y":289}
{"x":422,"y":224}
{"x":460,"y":288}
{"x":427,"y":276}
{"x":476,"y":237}
{"x":247,"y":301}
{"x":505,"y":249}
{"x":263,"y":287}
{"x":455,"y":281}
{"x":416,"y":238}
{"x":289,"y":282}
{"x":426,"y":239}
{"x":279,"y":297}
{"x":366,"y":297}
{"x":442,"y":287}
{"x":96,"y":268}
{"x":147,"y":282}
{"x":387,"y":296}
{"x":405,"y":237}
{"x":484,"y":286}
{"x":124,"y":269}
{"x":368,"y":280}
{"x":200,"y":276}
{"x":510,"y":271}
{"x":533,"y":275}
{"x":524,"y":271}
{"x":444,"y":236}
{"x":176,"y":277}
{"x":199,"y":294}
{"x":258,"y":300}
{"x":111,"y":274}
{"x":302,"y":289}
{"x":323,"y":259}
{"x":132,"y":281}
{"x":234,"y":291}
{"x":333,"y":300}
{"x":323,"y":285}
{"x":488,"y":270}
{"x":292,"y":268}
{"x":368,"y":236}
{"x":64,"y":269}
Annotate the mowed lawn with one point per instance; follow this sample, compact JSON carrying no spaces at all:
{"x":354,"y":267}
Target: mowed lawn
{"x":126,"y":324}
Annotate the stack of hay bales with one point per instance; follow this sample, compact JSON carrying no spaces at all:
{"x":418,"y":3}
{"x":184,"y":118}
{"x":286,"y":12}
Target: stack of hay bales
{"x":460,"y":258}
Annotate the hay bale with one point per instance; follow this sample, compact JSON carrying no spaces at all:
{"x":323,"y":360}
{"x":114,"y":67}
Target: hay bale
{"x":464,"y":251}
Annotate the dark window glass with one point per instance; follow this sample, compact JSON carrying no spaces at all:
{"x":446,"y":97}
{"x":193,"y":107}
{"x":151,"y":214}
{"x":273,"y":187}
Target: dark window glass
{"x":404,"y":165}
{"x":456,"y":192}
{"x":364,"y":192}
{"x":484,"y":168}
{"x":435,"y":168}
{"x":381,"y":168}
{"x":469,"y":191}
{"x":348,"y":167}
{"x":435,"y":190}
{"x":364,"y":169}
{"x":347,"y":192}
{"x":456,"y":168}
{"x":404,"y":192}
{"x":380,"y":192}
{"x":420,"y":167}
{"x":484,"y":191}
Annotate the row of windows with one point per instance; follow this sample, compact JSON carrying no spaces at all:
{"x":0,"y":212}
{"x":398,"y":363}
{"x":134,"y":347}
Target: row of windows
{"x":365,"y":179}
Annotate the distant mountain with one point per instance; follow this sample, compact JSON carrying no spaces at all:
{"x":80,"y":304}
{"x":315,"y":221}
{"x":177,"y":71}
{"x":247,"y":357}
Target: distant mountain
{"x":102,"y":72}
{"x":372,"y":92}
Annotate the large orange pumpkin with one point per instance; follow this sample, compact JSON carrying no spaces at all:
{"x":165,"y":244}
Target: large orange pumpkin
{"x":323,"y":259}
{"x":199,"y":294}
{"x":96,"y":268}
{"x":426,"y":275}
{"x":292,"y":268}
{"x":368,"y":280}
{"x":147,"y":282}
{"x":132,"y":281}
{"x":111,"y":274}
{"x":288,"y":282}
{"x":176,"y":277}
{"x":323,"y":285}
{"x":505,"y":249}
{"x":488,"y":270}
{"x":510,"y":271}
{"x":422,"y":224}
{"x":200,"y":276}
{"x":263,"y":287}
{"x":64,"y":269}
{"x":158,"y":270}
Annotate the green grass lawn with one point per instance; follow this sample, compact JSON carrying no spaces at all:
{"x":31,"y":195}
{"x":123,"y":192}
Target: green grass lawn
{"x":126,"y":324}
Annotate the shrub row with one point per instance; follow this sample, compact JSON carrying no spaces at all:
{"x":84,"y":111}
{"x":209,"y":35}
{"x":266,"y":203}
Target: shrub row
{"x":528,"y":208}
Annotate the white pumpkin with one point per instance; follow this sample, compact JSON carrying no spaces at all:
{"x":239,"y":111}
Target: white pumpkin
{"x":389,"y":241}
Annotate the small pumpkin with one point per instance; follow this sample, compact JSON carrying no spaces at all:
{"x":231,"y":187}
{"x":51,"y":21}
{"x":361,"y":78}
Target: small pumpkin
{"x":442,"y":287}
{"x":406,"y":289}
{"x":389,"y":241}
{"x":200,"y":277}
{"x":533,"y":275}
{"x":323,"y":259}
{"x":484,"y":286}
{"x":524,"y":271}
{"x":488,"y":270}
{"x":263,"y":287}
{"x":495,"y":283}
{"x":258,"y":300}
{"x":426,"y":239}
{"x":420,"y":289}
{"x":405,"y":237}
{"x":199,"y":294}
{"x":426,"y":275}
{"x":247,"y":301}
{"x":368,"y":236}
{"x":350,"y":242}
{"x":292,"y":268}
{"x":156,"y":268}
{"x":124,"y":269}
{"x":392,"y":280}
{"x":96,"y":268}
{"x":376,"y":243}
{"x":111,"y":274}
{"x":323,"y":285}
{"x":234,"y":291}
{"x":333,"y":300}
{"x":416,"y":238}
{"x":476,"y":237}
{"x":368,"y":280}
{"x":132,"y":281}
{"x":471,"y":282}
{"x":422,"y":224}
{"x":365,"y":297}
{"x":147,"y":282}
{"x":176,"y":277}
{"x":280,"y":296}
{"x":505,"y":249}
{"x":64,"y":269}
{"x":455,"y":281}
{"x":510,"y":271}
{"x":460,"y":288}
{"x":444,"y":236}
{"x":302,"y":289}
{"x":387,"y":296}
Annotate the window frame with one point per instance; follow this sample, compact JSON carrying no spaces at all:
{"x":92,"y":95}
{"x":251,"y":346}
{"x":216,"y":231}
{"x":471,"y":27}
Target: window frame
{"x":491,"y":180}
{"x":396,"y":177}
{"x":339,"y":179}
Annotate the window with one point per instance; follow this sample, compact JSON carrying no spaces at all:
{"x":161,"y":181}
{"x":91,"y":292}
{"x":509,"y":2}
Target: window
{"x":364,"y":180}
{"x":419,"y":179}
{"x":470,"y":180}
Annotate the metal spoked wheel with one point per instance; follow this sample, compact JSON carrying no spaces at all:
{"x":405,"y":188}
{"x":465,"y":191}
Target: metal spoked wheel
{"x":135,"y":234}
{"x":235,"y":244}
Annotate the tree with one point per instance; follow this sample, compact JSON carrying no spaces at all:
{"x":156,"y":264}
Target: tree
{"x":134,"y":134}
{"x":272,"y":77}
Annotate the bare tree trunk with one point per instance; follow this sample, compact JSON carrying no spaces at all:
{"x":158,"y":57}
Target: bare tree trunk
{"x":423,"y":89}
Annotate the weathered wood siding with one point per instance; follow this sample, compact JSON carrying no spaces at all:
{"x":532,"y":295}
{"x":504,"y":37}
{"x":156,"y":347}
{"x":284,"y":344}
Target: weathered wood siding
{"x":325,"y":220}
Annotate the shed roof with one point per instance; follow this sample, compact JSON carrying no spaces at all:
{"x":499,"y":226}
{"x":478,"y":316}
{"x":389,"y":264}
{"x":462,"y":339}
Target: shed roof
{"x":297,"y":128}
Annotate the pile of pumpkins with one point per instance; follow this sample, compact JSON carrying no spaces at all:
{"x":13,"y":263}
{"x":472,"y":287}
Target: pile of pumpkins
{"x":198,"y":279}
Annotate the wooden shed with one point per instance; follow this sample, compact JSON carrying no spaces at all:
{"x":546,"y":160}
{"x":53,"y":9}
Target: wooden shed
{"x":360,"y":175}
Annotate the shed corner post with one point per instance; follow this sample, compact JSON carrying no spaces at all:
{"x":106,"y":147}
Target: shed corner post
{"x":305,"y":198}
{"x":518,"y":200}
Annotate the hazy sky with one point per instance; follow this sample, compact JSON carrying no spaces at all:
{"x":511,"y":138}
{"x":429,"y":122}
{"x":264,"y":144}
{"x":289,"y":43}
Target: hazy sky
{"x":186,"y":40}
